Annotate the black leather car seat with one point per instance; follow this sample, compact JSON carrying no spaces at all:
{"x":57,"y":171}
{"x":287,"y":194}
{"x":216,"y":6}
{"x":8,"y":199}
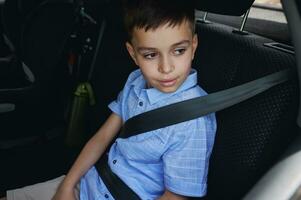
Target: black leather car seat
{"x":251,"y":135}
{"x":38,"y":31}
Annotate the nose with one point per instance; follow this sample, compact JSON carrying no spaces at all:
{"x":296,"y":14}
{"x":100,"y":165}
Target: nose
{"x":165,"y":65}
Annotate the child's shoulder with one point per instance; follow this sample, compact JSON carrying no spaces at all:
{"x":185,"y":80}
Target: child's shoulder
{"x":134,"y":75}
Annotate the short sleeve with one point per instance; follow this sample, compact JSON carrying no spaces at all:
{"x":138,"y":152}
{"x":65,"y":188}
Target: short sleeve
{"x":116,"y":105}
{"x":185,"y":162}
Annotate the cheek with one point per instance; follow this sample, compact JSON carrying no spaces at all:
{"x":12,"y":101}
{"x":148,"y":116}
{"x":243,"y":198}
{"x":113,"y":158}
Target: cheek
{"x":184,"y":63}
{"x":148,"y":69}
{"x":147,"y":66}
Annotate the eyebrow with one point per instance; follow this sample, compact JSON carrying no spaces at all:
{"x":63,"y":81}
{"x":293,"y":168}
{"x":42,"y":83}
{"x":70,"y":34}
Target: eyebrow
{"x":181,"y":43}
{"x":184,"y":42}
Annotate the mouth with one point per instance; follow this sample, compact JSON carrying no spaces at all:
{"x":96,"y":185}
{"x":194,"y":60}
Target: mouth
{"x":168,"y":82}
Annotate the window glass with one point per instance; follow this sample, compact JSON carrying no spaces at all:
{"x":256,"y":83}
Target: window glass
{"x":270,"y":10}
{"x":271,"y":3}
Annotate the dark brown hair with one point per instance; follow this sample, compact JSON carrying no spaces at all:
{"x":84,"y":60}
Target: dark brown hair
{"x":150,"y":14}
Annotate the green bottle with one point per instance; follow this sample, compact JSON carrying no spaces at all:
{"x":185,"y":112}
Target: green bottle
{"x":77,"y":126}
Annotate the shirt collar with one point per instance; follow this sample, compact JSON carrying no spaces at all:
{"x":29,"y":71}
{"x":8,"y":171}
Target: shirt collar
{"x":154,"y":95}
{"x":138,"y":83}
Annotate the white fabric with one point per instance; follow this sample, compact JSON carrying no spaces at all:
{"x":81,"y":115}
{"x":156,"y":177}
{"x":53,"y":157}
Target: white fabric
{"x":40,"y":191}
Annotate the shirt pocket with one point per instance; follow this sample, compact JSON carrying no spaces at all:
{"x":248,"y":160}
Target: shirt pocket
{"x":144,"y":148}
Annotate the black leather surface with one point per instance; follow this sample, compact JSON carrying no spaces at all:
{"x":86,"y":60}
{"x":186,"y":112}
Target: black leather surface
{"x":252,"y":134}
{"x":39,"y":38}
{"x":230,"y":7}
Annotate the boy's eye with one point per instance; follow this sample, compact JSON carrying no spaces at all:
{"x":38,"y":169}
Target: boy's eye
{"x":150,"y":55}
{"x":179,"y":51}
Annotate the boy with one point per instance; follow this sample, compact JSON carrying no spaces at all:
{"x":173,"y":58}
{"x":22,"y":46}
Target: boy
{"x":168,"y":163}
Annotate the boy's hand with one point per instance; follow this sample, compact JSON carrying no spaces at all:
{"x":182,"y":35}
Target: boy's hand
{"x":87,"y":158}
{"x":65,"y":193}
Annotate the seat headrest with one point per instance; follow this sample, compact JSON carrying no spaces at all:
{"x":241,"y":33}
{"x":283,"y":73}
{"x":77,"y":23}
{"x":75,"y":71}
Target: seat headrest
{"x":229,"y":7}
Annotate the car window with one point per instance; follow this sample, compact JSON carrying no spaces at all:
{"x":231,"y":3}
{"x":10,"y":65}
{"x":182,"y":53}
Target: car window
{"x":297,"y":194}
{"x":270,"y":10}
{"x":269,"y":3}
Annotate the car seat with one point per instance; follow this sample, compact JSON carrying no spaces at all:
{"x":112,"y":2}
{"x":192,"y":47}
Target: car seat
{"x":251,"y":135}
{"x":31,"y":99}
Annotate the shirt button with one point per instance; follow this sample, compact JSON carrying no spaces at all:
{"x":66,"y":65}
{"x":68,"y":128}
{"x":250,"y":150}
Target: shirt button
{"x":140,"y":103}
{"x":114,"y":162}
{"x":106,"y":195}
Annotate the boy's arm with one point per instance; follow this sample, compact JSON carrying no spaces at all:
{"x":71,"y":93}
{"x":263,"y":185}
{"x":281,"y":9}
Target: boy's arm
{"x":171,"y":196}
{"x":92,"y":151}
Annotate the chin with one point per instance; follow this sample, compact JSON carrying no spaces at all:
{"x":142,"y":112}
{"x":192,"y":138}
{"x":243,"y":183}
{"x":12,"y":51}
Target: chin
{"x":168,"y":89}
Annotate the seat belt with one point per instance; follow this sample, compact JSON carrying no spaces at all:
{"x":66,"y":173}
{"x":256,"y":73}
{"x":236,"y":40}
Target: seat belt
{"x":180,"y":112}
{"x":200,"y":106}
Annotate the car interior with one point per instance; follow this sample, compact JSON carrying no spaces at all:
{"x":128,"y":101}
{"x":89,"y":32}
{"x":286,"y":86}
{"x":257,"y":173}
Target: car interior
{"x":49,"y":49}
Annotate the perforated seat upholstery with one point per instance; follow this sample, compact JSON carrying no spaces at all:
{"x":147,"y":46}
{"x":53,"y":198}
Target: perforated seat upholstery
{"x":254,"y":133}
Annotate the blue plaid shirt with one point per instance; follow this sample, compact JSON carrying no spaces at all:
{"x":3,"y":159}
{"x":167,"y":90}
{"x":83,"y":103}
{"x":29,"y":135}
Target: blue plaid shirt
{"x":174,"y":158}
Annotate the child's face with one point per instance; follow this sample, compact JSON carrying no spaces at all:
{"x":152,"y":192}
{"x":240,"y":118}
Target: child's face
{"x":164,"y":55}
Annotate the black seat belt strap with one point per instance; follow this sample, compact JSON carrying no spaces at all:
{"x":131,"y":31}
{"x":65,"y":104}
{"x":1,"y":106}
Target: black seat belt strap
{"x":200,"y":106}
{"x":118,"y":189}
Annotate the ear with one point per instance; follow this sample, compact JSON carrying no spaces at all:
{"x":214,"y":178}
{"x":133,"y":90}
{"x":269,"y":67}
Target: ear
{"x":195,"y":42}
{"x":131,"y":51}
